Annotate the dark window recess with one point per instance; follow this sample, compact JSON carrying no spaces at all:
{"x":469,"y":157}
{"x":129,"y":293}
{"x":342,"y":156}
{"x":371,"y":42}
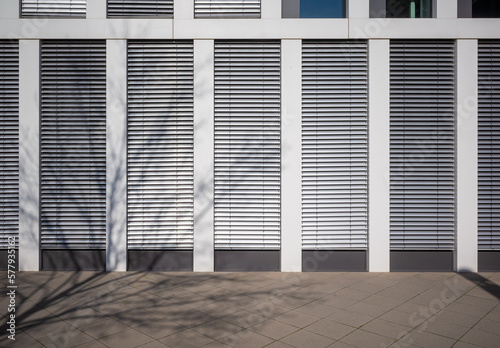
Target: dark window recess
{"x":478,"y":9}
{"x":313,"y":9}
{"x":401,"y":8}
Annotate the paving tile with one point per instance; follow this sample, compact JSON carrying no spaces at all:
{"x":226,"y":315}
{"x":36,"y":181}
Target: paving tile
{"x":350,"y":318}
{"x":467,"y":309}
{"x":216,"y":344}
{"x":268,"y":309}
{"x":217,"y":329}
{"x":398,"y":317}
{"x":92,"y":344}
{"x":367,"y":309}
{"x":190,"y":318}
{"x":465,"y":345}
{"x":445,"y":329}
{"x":360,"y":338}
{"x":154,"y":344}
{"x":340,"y":344}
{"x":159,"y":329}
{"x":330,"y":329}
{"x":481,"y":338}
{"x":53,"y":326}
{"x":244,"y":318}
{"x":303,"y":338}
{"x":186,"y":339}
{"x":104,"y":328}
{"x":336,"y":301}
{"x":454,"y":318}
{"x":386,"y":328}
{"x":22,"y":340}
{"x":353,"y":294}
{"x":426,"y":339}
{"x":383,"y":301}
{"x":65,"y":339}
{"x":218,"y":309}
{"x":278,"y":344}
{"x":274,"y":329}
{"x":126,"y":339}
{"x":317,"y":309}
{"x":246,"y":339}
{"x":297,"y":318}
{"x":483,"y":303}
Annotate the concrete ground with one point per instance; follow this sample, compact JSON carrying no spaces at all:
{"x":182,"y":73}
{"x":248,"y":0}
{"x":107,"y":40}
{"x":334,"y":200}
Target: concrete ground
{"x":275,"y":310}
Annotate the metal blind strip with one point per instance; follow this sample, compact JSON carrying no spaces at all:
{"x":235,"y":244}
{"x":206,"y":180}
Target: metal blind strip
{"x":54,"y":8}
{"x":144,"y":8}
{"x":227,"y":8}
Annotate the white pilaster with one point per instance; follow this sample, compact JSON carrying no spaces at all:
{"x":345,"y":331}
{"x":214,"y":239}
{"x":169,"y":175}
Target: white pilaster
{"x":270,"y":9}
{"x":116,"y":155}
{"x":467,"y":156}
{"x":9,"y":9}
{"x":379,"y":156}
{"x":96,"y":9}
{"x":203,"y":156}
{"x":291,"y":151}
{"x":358,"y":9}
{"x":446,"y":8}
{"x":183,"y":9}
{"x":29,"y":150}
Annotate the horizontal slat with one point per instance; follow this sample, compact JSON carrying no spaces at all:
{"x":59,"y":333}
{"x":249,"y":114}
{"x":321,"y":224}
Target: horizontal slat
{"x":227,"y":8}
{"x":144,"y":8}
{"x":54,"y":8}
{"x":422,"y":150}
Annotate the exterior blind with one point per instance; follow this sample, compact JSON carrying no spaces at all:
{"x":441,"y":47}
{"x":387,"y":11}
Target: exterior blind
{"x":489,"y":145}
{"x":145,"y":8}
{"x":334,"y":144}
{"x":62,"y":8}
{"x":227,"y":8}
{"x":422,"y":144}
{"x":73,"y":144}
{"x":9,"y":141}
{"x":160,"y":145}
{"x":247,"y":144}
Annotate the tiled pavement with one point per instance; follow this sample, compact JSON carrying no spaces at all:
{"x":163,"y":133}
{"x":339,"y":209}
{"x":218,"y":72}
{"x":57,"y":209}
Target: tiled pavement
{"x":275,"y":310}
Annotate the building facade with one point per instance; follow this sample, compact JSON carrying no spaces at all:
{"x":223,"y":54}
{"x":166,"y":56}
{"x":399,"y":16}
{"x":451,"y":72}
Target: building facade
{"x":262,"y":135}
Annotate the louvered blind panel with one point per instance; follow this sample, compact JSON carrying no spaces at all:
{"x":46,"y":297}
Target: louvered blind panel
{"x":489,"y":145}
{"x":247,"y":144}
{"x":422,"y":144}
{"x":73,"y":144}
{"x":63,"y":8}
{"x":227,"y":8}
{"x":334,"y":144}
{"x":144,"y":8}
{"x":160,"y":145}
{"x":9,"y":141}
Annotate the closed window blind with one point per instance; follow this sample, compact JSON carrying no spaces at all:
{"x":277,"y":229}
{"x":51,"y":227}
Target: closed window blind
{"x":145,"y":8}
{"x":334,"y":144}
{"x":160,"y":145}
{"x":73,"y":144}
{"x":247,"y":144}
{"x":62,"y":8}
{"x":9,"y":141}
{"x":227,"y":8}
{"x":422,"y":144}
{"x":489,"y":145}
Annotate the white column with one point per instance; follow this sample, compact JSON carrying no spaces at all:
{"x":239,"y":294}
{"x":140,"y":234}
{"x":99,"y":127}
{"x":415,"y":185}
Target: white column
{"x":270,"y":9}
{"x":183,"y":9}
{"x":467,"y":157}
{"x":203,"y":156}
{"x":96,"y":9}
{"x":116,"y":155}
{"x":358,"y":9}
{"x":379,"y":156}
{"x":445,"y":8}
{"x":291,"y":155}
{"x":9,"y":9}
{"x":29,"y":150}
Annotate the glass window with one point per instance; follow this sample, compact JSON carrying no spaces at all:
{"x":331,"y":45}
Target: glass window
{"x":401,"y":8}
{"x":313,"y":8}
{"x":478,"y":9}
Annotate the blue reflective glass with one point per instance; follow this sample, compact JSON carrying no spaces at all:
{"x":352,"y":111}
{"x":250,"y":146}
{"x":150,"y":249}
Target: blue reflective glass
{"x":322,"y":8}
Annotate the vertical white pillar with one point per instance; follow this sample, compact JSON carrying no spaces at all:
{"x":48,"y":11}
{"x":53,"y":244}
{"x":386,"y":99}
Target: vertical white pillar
{"x":445,"y":8}
{"x":379,"y":156}
{"x":183,"y":9}
{"x":96,"y":9}
{"x":270,"y":9}
{"x":116,"y":155}
{"x":358,"y":9}
{"x":203,"y":156}
{"x":467,"y":156}
{"x":9,"y":9}
{"x":291,"y":155}
{"x":29,"y":150}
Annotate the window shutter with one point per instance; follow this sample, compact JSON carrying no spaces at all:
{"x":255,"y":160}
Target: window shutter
{"x":422,"y":144}
{"x":489,"y":145}
{"x":9,"y":141}
{"x":63,"y":8}
{"x":247,"y":144}
{"x":160,"y":145}
{"x":73,"y":144}
{"x":134,"y":8}
{"x":227,"y":8}
{"x":334,"y":144}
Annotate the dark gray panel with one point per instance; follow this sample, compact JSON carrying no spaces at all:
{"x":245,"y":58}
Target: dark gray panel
{"x":73,"y":260}
{"x":420,"y":261}
{"x":160,"y":260}
{"x":290,"y":9}
{"x":464,"y":8}
{"x":247,"y":260}
{"x":377,"y":8}
{"x":489,"y":261}
{"x":4,"y":260}
{"x":334,"y":260}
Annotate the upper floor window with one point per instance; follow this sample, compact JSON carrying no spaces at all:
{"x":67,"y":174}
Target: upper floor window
{"x":227,"y":8}
{"x":53,"y":8}
{"x":401,"y":8}
{"x":313,"y":8}
{"x":134,"y":8}
{"x":478,"y":9}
